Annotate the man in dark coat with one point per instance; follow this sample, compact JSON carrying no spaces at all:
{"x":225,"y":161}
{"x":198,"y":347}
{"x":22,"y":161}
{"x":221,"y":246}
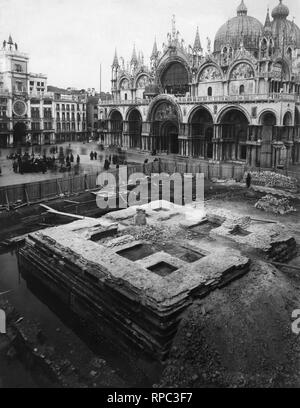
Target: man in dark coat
{"x":248,"y":180}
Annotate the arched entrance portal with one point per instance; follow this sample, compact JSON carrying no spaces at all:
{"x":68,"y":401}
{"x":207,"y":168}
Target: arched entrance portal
{"x":19,"y":133}
{"x":116,"y":128}
{"x":268,"y":123}
{"x":202,"y":134}
{"x":175,"y":79}
{"x":135,"y":128}
{"x":169,"y":137}
{"x":234,"y":127}
{"x":165,"y":128}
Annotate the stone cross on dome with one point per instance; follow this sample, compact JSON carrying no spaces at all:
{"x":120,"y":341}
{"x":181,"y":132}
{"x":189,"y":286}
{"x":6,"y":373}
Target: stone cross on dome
{"x":173,"y":27}
{"x":242,"y":9}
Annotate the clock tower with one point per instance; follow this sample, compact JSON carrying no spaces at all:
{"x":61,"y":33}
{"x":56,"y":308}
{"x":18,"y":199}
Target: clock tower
{"x":14,"y":95}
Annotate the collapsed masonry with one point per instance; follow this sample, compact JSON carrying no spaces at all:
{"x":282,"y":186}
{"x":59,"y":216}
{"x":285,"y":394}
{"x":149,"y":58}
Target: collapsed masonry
{"x":269,"y":203}
{"x":134,"y":282}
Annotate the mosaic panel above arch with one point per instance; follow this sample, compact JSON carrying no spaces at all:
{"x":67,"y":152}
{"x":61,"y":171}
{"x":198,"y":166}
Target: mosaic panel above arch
{"x":142,"y":82}
{"x":124,"y":85}
{"x":165,"y":111}
{"x":210,"y":73}
{"x":242,"y":71}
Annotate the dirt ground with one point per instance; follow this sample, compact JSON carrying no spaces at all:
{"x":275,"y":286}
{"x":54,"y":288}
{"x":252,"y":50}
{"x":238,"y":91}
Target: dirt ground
{"x":241,"y":335}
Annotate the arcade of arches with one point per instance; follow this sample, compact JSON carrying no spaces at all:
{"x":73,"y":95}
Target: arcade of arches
{"x":232,"y":139}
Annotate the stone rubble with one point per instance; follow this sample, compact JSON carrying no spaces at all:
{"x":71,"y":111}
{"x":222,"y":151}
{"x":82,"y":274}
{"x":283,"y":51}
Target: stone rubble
{"x":274,"y":205}
{"x":272,"y":179}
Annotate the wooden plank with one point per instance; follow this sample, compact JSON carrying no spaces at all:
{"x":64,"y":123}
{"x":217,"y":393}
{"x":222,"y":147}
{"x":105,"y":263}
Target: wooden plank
{"x":71,"y":202}
{"x":296,"y":268}
{"x":7,"y":201}
{"x":26,"y":194}
{"x":5,"y":293}
{"x":52,"y":211}
{"x":266,"y":221}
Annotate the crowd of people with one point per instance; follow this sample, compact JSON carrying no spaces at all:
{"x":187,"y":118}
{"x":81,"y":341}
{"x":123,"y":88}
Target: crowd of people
{"x":62,"y":160}
{"x":67,"y":162}
{"x":31,"y":164}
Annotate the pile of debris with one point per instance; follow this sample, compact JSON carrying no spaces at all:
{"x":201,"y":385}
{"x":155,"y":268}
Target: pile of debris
{"x":275,"y":205}
{"x":271,"y":179}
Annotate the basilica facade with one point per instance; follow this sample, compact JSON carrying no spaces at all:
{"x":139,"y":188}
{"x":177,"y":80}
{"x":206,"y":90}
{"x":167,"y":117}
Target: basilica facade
{"x":237,"y":101}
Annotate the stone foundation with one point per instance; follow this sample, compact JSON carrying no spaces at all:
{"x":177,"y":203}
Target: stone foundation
{"x":136,"y":302}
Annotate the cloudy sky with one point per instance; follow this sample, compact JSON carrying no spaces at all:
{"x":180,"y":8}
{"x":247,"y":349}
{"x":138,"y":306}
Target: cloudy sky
{"x":68,"y":39}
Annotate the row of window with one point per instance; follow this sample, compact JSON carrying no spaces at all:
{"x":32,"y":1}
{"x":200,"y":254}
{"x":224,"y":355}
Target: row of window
{"x":37,"y":89}
{"x":35,"y":113}
{"x":65,"y":116}
{"x":38,"y":84}
{"x":241,"y":90}
{"x":67,"y":107}
{"x":37,"y":126}
{"x":69,"y":126}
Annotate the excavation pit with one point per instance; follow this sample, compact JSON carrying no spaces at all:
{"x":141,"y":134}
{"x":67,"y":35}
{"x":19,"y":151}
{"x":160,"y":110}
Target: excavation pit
{"x":204,"y":228}
{"x":184,"y":253}
{"x":136,"y":252}
{"x":162,"y":269}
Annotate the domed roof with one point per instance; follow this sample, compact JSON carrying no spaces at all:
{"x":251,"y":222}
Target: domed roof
{"x":282,"y":26}
{"x":280,"y":11}
{"x":290,"y":30}
{"x":240,"y":27}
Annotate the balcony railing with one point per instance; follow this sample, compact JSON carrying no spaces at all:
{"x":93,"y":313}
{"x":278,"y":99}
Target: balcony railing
{"x":270,"y":97}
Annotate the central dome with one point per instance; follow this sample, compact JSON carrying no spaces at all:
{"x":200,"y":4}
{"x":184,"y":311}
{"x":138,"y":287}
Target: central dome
{"x":240,"y":27}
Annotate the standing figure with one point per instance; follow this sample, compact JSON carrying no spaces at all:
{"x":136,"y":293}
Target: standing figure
{"x":248,"y":180}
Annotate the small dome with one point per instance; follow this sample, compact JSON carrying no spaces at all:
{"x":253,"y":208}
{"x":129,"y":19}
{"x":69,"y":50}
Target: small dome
{"x":290,"y":30}
{"x":280,"y":11}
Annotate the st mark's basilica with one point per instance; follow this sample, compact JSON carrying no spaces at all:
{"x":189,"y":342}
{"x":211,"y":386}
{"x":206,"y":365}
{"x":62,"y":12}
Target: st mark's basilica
{"x":237,"y":101}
